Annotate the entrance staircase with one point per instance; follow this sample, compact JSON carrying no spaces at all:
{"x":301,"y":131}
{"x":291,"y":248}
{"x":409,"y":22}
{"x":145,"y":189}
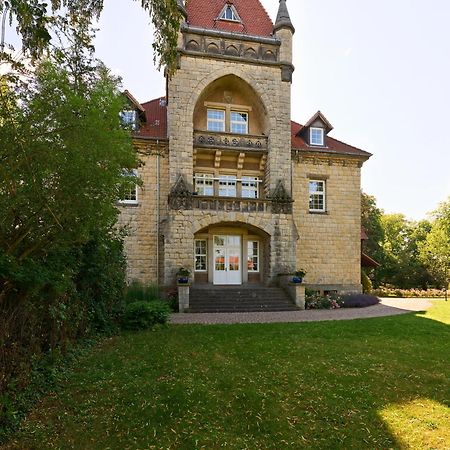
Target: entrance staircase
{"x":245,"y":298}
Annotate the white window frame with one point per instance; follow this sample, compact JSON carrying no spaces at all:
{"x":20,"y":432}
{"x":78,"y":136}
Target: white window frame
{"x":250,"y":185}
{"x":226,"y":183}
{"x":200,"y":182}
{"x":215,"y":120}
{"x":238,"y":122}
{"x":311,"y":138}
{"x":253,"y":256}
{"x":129,"y":119}
{"x":321,"y":194}
{"x":133,"y":191}
{"x":234,"y":15}
{"x":199,"y":255}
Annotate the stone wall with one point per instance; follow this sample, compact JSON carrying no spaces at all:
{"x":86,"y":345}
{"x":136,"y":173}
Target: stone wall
{"x":184,"y":224}
{"x":141,"y":220}
{"x":187,"y":85}
{"x":329,"y":245}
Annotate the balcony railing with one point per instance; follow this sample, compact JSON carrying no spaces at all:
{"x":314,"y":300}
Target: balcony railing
{"x":231,"y":204}
{"x":230,"y":141}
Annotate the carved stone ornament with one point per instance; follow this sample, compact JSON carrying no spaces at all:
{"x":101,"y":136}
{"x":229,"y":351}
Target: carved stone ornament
{"x":281,"y":200}
{"x":180,"y":196}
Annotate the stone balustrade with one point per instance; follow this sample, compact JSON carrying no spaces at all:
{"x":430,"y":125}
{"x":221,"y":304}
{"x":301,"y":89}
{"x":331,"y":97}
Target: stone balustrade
{"x":231,"y":204}
{"x":230,"y":141}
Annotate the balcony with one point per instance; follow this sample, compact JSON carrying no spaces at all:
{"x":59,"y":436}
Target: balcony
{"x":231,"y":204}
{"x":230,"y":141}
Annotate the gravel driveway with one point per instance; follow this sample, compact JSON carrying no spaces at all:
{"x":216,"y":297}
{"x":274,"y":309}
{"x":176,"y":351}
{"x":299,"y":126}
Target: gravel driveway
{"x":387,"y":307}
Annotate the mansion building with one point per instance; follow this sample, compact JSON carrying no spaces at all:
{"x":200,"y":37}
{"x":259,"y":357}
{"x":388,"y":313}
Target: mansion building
{"x":232,"y":188}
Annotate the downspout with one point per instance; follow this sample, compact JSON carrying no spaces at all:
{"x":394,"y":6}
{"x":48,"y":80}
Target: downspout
{"x":157,"y":209}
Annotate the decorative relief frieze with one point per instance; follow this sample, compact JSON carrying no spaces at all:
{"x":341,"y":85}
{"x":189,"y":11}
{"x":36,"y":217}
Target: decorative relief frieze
{"x":230,"y":141}
{"x":216,"y":45}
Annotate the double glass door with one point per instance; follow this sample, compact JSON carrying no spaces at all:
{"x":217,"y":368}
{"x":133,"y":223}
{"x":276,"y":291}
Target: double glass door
{"x":227,"y":260}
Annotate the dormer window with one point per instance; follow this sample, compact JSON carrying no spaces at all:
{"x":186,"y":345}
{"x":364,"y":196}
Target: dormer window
{"x":316,"y":136}
{"x":229,"y":13}
{"x":129,"y":119}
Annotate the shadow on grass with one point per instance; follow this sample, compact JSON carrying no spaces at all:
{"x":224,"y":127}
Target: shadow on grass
{"x":344,"y":384}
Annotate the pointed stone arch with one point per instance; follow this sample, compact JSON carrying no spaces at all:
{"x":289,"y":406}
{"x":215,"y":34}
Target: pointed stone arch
{"x":244,"y":76}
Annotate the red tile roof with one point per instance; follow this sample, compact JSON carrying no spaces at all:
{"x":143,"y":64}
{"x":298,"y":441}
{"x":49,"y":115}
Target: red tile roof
{"x":255,"y":20}
{"x":331,"y":145}
{"x":156,"y":127}
{"x":156,"y":115}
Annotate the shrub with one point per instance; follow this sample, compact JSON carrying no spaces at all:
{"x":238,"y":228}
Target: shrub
{"x":359,"y":300}
{"x":139,"y":292}
{"x":172,"y":299}
{"x":366,"y":283}
{"x":144,"y":315}
{"x":408,"y":293}
{"x":317,"y":301}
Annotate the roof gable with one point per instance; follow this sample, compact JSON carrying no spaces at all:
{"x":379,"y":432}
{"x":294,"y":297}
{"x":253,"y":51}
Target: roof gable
{"x":254,"y":19}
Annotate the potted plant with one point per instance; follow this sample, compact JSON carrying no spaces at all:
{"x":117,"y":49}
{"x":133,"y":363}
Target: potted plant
{"x":183,"y":275}
{"x":298,"y":276}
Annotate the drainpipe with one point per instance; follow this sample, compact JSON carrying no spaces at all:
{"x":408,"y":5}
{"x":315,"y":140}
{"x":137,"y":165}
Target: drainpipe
{"x":158,"y":177}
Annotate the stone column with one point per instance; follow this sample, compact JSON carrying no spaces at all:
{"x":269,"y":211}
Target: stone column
{"x":183,"y":297}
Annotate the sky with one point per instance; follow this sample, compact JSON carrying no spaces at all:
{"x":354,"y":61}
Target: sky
{"x":379,"y":71}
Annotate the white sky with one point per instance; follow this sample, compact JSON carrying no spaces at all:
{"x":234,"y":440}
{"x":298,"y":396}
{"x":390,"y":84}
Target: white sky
{"x":379,"y":71}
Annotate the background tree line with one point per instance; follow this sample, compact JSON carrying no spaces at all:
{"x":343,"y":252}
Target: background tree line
{"x":411,"y":254}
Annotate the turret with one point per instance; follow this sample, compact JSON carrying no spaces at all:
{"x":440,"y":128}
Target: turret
{"x":284,"y":30}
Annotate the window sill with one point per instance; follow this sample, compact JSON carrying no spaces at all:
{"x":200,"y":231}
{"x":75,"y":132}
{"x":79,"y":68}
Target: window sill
{"x":320,"y":213}
{"x":132,"y":204}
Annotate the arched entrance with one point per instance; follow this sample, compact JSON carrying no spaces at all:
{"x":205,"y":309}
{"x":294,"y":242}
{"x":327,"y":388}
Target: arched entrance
{"x":230,"y":253}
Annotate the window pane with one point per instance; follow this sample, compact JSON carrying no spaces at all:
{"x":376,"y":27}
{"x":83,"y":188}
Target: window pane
{"x":130,"y":195}
{"x":317,"y":195}
{"x":252,"y":256}
{"x":216,"y":120}
{"x":227,"y":186}
{"x":204,"y":184}
{"x":249,"y":187}
{"x":239,"y":122}
{"x":200,"y":255}
{"x":316,"y":136}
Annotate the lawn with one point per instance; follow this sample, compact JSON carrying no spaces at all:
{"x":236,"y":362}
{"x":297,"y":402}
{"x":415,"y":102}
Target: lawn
{"x":374,"y":383}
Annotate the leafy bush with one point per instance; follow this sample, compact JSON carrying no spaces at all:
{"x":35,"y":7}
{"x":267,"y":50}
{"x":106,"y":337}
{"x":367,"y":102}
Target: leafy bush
{"x":359,"y":300}
{"x":317,"y":301}
{"x":139,"y":292}
{"x":408,"y":293}
{"x":172,"y":299}
{"x":366,"y":283}
{"x":144,"y":315}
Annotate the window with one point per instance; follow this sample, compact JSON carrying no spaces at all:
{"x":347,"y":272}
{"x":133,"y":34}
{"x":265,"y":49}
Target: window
{"x":253,"y":256}
{"x":129,"y":119}
{"x":317,"y":195}
{"x":204,"y":184}
{"x":216,"y":120}
{"x":227,"y":185}
{"x":200,"y":255}
{"x":239,"y":122}
{"x":130,"y":196}
{"x":316,"y":136}
{"x":229,"y":13}
{"x":249,"y":187}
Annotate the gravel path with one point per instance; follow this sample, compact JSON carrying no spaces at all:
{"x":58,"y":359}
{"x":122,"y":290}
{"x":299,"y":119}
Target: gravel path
{"x":387,"y":307}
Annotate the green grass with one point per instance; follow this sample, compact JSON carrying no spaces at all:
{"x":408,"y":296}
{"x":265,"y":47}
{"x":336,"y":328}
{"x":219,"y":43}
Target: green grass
{"x":375,"y":383}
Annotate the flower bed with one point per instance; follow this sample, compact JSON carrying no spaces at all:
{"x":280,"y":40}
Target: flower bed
{"x":409,"y":293}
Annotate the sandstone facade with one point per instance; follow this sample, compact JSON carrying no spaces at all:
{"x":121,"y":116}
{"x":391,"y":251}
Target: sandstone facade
{"x":258,"y":179}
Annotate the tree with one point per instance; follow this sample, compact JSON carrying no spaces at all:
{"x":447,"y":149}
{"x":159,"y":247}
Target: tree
{"x":371,"y":222}
{"x":403,"y":267}
{"x":62,"y":154}
{"x":435,"y":249}
{"x":37,"y":21}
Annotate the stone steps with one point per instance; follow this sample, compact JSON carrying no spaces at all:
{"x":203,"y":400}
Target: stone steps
{"x":239,"y":299}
